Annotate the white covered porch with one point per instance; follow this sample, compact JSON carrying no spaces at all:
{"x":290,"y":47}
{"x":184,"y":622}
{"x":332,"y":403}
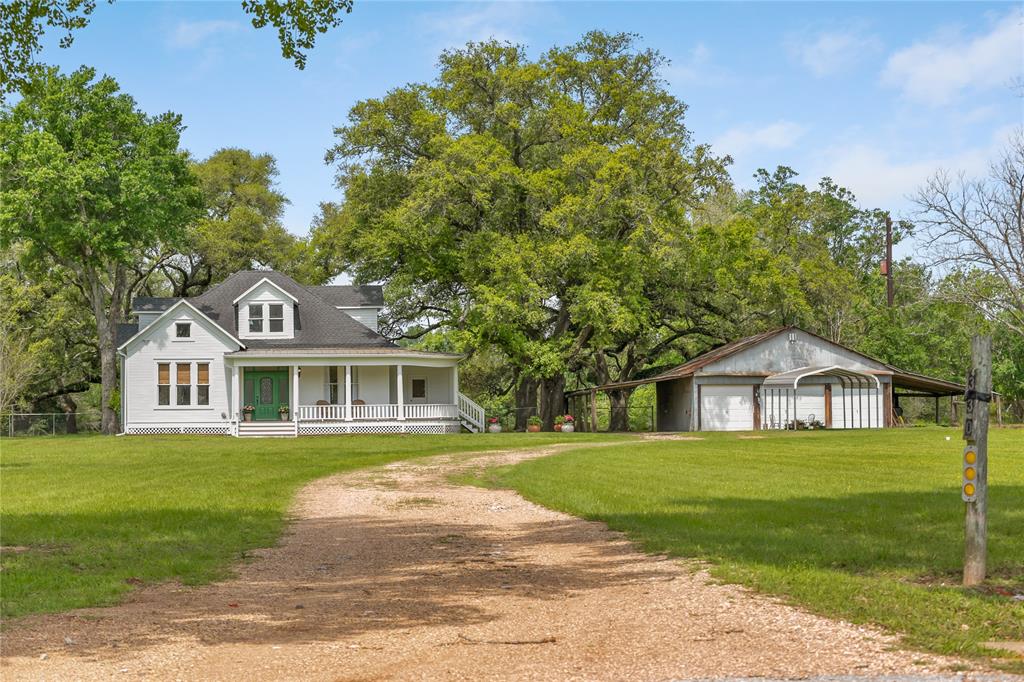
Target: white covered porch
{"x":328,"y":393}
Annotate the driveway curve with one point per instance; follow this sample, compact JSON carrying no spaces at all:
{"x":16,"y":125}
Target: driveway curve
{"x":397,"y":573}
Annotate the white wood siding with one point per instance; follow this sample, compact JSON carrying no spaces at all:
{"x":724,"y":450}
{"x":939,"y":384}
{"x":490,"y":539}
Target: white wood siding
{"x":857,"y":409}
{"x":264,"y":295}
{"x":364,"y":316}
{"x":146,"y":319}
{"x":159,"y":344}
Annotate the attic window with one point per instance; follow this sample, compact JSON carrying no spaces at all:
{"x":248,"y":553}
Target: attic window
{"x":276,"y":317}
{"x":256,"y":318}
{"x":183,"y":330}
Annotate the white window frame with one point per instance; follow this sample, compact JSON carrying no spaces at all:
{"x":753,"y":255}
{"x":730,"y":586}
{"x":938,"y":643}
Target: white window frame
{"x":262,"y":319}
{"x":187,"y":324}
{"x":335,"y":385}
{"x":194,"y":384}
{"x":270,"y":319}
{"x":355,"y":383}
{"x":412,"y":392}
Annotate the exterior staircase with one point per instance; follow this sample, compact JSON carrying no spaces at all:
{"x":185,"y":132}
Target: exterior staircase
{"x":267,"y":429}
{"x":471,"y":415}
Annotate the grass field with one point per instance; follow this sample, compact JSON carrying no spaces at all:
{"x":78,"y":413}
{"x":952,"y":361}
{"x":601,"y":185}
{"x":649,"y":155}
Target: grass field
{"x":88,"y":517}
{"x":866,"y":526}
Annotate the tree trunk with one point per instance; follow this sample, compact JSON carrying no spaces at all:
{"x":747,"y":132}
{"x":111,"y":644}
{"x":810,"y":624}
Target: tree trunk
{"x":107,"y":314}
{"x":619,"y":402}
{"x":526,"y":401}
{"x":67,"y":404}
{"x":552,"y":400}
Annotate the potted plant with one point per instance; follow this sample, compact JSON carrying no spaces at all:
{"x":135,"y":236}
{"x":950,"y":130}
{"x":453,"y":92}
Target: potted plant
{"x":568,"y":424}
{"x":533,"y":424}
{"x":283,"y":413}
{"x":493,"y":425}
{"x":247,"y":412}
{"x":559,"y":421}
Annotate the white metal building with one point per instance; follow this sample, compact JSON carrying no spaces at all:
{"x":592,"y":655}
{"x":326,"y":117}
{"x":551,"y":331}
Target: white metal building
{"x":780,"y":379}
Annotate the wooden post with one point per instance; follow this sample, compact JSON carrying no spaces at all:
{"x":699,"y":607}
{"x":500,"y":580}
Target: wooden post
{"x":977,"y":398}
{"x":828,"y":406}
{"x":593,"y":408}
{"x":999,"y":410}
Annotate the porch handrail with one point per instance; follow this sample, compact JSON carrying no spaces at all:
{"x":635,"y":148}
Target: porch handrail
{"x":378,"y":411}
{"x":471,"y":412}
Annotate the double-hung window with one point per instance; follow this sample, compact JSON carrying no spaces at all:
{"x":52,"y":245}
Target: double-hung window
{"x":256,"y":317}
{"x":183,"y":384}
{"x":163,"y":383}
{"x":203,"y":383}
{"x":275,"y":319}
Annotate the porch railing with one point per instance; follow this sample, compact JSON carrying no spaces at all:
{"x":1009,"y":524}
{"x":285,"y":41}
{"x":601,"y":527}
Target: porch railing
{"x":377,"y":412}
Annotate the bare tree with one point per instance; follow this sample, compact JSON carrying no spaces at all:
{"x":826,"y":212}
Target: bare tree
{"x":976,"y":226}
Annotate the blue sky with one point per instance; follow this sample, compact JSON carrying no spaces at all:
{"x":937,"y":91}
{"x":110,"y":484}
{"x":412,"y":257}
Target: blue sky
{"x":876,"y":95}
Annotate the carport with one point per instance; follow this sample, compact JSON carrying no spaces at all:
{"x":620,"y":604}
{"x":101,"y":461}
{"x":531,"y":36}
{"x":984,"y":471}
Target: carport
{"x":858,"y":400}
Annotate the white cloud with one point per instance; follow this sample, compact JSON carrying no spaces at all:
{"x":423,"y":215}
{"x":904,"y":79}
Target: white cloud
{"x":696,"y":68}
{"x":192,"y":34}
{"x":935,"y":72}
{"x":744,"y":139}
{"x":503,"y":21}
{"x":878,"y":178}
{"x":832,"y":51}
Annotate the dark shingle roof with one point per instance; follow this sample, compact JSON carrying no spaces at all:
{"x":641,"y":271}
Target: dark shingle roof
{"x":150,"y":304}
{"x":351,"y":295}
{"x":318,"y":323}
{"x":125,"y":332}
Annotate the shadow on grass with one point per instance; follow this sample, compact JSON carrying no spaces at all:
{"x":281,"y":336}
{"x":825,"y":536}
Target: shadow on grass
{"x":335,"y":578}
{"x":906,"y":532}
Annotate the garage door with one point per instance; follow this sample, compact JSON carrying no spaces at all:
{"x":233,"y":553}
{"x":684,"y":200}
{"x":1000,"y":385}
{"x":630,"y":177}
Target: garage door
{"x":726,"y":408}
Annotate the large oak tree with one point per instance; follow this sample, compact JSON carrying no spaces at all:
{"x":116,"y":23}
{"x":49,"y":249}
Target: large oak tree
{"x":88,"y":183}
{"x":527,"y":205}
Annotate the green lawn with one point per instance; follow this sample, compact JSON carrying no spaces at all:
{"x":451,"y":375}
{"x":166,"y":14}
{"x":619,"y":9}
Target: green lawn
{"x":100,"y":514}
{"x":867,"y":526}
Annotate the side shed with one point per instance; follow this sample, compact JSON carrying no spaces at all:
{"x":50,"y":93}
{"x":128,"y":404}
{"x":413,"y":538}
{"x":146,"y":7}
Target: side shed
{"x":776,"y":379}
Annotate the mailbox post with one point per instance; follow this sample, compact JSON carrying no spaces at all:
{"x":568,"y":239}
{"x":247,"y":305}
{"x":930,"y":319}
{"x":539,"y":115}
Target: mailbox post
{"x":974,"y":483}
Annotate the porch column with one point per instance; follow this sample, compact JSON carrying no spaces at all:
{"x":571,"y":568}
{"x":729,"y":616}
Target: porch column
{"x":235,"y":397}
{"x":455,"y":385}
{"x":401,"y":394}
{"x":348,"y":393}
{"x":295,"y":394}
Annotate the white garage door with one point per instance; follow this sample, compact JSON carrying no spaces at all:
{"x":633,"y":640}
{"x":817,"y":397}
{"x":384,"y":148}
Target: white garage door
{"x":726,"y":408}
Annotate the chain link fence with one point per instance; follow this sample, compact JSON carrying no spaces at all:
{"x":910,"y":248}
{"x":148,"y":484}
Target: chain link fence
{"x":48,"y":423}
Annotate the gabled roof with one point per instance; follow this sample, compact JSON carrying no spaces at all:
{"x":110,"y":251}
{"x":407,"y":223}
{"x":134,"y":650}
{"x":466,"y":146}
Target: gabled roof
{"x":318,"y":324}
{"x":351,"y":295}
{"x":901,"y":378}
{"x":261,"y":281}
{"x":188,"y":304}
{"x":151,"y":304}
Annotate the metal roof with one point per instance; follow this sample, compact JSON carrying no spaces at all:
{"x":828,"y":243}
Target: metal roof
{"x":847,"y":377}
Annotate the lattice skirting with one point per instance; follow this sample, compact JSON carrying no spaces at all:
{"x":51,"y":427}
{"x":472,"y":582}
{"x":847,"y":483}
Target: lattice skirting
{"x":199,"y":429}
{"x":324,"y":429}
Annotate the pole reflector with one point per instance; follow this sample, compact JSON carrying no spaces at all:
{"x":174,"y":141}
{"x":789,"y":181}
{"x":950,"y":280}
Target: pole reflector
{"x":968,"y":489}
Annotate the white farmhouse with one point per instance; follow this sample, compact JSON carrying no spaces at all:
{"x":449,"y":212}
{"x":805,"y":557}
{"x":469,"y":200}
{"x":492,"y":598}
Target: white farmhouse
{"x":261,"y":354}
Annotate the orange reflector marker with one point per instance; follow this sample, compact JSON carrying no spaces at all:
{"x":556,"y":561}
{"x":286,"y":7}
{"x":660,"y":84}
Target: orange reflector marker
{"x":969,"y":489}
{"x":970,"y":456}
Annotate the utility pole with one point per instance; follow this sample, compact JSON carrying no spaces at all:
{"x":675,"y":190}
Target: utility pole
{"x":888,"y":260}
{"x":974,"y":485}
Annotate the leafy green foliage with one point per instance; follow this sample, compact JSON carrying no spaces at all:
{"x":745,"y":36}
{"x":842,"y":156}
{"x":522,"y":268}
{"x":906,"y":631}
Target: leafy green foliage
{"x":528,"y":206}
{"x":297,"y":22}
{"x":88,"y":183}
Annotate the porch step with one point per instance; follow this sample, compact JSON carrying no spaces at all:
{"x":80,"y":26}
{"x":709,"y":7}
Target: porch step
{"x":266,"y":429}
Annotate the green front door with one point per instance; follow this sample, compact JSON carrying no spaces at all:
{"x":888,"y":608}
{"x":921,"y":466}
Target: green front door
{"x":267,"y":391}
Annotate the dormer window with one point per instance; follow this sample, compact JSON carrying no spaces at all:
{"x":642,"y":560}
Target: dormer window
{"x":183,"y":330}
{"x":276,"y":319}
{"x":256,"y":317}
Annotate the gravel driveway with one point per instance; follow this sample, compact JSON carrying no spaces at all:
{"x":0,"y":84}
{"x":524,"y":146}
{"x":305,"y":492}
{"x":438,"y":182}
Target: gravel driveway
{"x":395,"y":573}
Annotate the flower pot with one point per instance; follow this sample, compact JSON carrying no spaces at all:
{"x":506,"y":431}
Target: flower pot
{"x":558,"y":427}
{"x":533,"y":428}
{"x":283,"y":415}
{"x":494,"y":428}
{"x":568,"y":428}
{"x":247,"y":416}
